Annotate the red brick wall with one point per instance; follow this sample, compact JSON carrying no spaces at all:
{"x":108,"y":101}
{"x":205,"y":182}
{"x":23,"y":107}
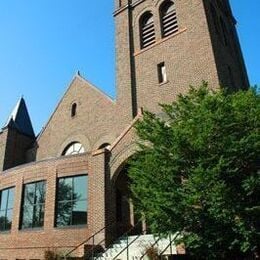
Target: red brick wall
{"x":93,"y":124}
{"x":30,"y":244}
{"x":192,"y":55}
{"x":13,"y":146}
{"x":3,"y":138}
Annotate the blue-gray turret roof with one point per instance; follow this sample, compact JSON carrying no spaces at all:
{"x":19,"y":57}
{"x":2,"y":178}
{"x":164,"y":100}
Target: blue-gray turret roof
{"x":20,"y":119}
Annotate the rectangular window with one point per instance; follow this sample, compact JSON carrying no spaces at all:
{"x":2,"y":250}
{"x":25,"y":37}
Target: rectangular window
{"x":162,"y":77}
{"x":33,"y":205}
{"x":6,"y":209}
{"x":71,"y":208}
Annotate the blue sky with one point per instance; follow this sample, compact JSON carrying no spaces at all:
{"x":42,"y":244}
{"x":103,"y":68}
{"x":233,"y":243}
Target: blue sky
{"x":43,"y":44}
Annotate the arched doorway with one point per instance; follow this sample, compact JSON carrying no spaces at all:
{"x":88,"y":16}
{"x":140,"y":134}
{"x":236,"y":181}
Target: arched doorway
{"x":127,"y":219}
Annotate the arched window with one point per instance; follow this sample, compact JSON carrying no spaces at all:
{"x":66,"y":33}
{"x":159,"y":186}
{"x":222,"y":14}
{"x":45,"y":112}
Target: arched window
{"x":147,"y":31}
{"x":104,"y":145}
{"x":73,"y":109}
{"x":169,"y":23}
{"x":73,"y":148}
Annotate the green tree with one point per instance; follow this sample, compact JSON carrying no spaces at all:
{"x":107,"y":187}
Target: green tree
{"x":197,"y":172}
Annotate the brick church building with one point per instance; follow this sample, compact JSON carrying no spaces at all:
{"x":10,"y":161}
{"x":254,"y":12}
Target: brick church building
{"x":62,"y":186}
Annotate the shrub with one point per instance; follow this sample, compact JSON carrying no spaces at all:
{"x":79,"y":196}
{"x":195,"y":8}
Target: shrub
{"x":152,"y":253}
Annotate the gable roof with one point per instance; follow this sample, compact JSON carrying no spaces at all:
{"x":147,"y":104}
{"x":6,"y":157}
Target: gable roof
{"x":88,"y":84}
{"x":20,"y":119}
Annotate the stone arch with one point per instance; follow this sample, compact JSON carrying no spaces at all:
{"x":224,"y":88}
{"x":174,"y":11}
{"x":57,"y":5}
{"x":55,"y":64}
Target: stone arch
{"x":145,"y":9}
{"x":124,"y":212}
{"x":168,"y":18}
{"x":158,"y":3}
{"x":75,"y":138}
{"x":108,"y":139}
{"x":119,"y":160}
{"x":148,"y":7}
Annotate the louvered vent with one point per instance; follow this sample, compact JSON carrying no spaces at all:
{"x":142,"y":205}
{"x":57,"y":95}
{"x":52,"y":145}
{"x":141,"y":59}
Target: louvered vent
{"x":147,"y":30}
{"x":169,"y":19}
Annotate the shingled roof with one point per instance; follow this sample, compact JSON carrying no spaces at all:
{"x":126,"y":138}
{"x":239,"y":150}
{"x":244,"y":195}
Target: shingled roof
{"x":20,"y":119}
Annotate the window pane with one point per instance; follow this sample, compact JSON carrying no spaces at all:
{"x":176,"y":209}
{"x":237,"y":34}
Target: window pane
{"x":29,"y":194}
{"x":4,"y":196}
{"x":81,"y":150}
{"x":162,"y":77}
{"x":2,"y":220}
{"x":72,"y":201}
{"x":80,"y":188}
{"x":9,"y":216}
{"x":10,"y":198}
{"x":64,"y":210}
{"x":27,"y":216}
{"x":6,"y":209}
{"x":79,"y":214}
{"x":164,"y":74}
{"x":40,"y":192}
{"x":38,"y":216}
{"x":77,"y":146}
{"x":70,"y":150}
{"x":73,"y":148}
{"x":65,"y":189}
{"x":33,"y":207}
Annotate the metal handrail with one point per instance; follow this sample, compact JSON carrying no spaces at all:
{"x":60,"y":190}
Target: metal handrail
{"x":107,"y":248}
{"x":87,"y":240}
{"x":129,"y":244}
{"x":169,"y":245}
{"x":145,"y":253}
{"x":124,"y":235}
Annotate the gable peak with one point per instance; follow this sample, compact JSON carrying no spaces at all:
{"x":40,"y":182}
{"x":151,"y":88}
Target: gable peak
{"x":20,"y":119}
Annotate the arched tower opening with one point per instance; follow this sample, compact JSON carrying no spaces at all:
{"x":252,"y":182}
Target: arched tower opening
{"x":125,"y":214}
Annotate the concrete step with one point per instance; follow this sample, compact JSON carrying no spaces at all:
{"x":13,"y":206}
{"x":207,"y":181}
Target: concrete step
{"x":137,"y":245}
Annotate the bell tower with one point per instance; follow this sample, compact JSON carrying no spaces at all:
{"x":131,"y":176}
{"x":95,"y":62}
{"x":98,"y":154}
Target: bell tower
{"x":164,"y":46}
{"x":225,"y":43}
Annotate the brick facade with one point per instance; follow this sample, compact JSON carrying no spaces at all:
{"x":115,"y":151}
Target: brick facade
{"x":195,"y":53}
{"x":20,"y":243}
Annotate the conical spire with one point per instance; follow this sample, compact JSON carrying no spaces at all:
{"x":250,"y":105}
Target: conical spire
{"x":20,"y":119}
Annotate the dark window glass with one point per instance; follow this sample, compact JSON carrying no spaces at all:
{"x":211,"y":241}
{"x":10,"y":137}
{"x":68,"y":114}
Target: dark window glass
{"x":33,"y":205}
{"x":161,"y":69}
{"x":6,"y":209}
{"x":168,"y":17}
{"x":73,"y":109}
{"x":80,"y":188}
{"x":71,"y":206}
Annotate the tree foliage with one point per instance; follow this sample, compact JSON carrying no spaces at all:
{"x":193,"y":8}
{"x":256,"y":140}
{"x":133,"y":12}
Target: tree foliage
{"x":197,"y":172}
